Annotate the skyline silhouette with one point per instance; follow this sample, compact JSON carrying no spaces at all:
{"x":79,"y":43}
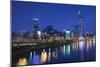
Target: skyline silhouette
{"x":60,"y":16}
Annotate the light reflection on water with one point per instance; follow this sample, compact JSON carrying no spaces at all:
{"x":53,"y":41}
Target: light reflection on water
{"x":81,"y":45}
{"x":47,"y":55}
{"x":35,"y":59}
{"x":22,"y":61}
{"x":43,"y":56}
{"x":66,"y":50}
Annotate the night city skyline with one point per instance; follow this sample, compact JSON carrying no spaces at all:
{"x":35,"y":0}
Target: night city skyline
{"x":60,"y":16}
{"x":51,"y":33}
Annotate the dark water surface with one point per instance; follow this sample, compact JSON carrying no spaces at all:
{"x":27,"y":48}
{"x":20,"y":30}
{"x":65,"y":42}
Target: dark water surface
{"x":76,"y":52}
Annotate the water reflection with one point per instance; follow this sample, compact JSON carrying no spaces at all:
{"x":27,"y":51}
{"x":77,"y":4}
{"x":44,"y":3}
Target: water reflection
{"x":66,"y":50}
{"x":43,"y":56}
{"x":81,"y":45}
{"x":75,"y":46}
{"x":31,"y":54}
{"x":35,"y":59}
{"x":77,"y":51}
{"x":54,"y":53}
{"x":49,"y":54}
{"x":22,"y":61}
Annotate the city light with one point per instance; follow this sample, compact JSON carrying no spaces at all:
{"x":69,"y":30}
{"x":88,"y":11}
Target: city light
{"x":67,"y":31}
{"x":81,"y":45}
{"x":35,"y":59}
{"x":22,"y":61}
{"x":39,"y":34}
{"x":31,"y":54}
{"x":35,"y":19}
{"x":67,"y":34}
{"x":44,"y":41}
{"x":43,"y":56}
{"x":49,"y":54}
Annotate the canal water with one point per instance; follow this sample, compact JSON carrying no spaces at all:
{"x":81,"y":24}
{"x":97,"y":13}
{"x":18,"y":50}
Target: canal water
{"x":77,"y":52}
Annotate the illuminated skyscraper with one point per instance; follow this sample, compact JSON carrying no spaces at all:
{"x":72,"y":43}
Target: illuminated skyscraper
{"x":35,"y":22}
{"x":67,"y":34}
{"x":76,"y":31}
{"x":81,"y":23}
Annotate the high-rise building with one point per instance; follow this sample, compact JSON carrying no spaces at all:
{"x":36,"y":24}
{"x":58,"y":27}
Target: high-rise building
{"x":76,"y":31}
{"x":35,"y":22}
{"x":67,"y":34}
{"x":81,"y":23}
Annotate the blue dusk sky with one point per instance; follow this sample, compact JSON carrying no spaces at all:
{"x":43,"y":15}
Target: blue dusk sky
{"x":60,"y":16}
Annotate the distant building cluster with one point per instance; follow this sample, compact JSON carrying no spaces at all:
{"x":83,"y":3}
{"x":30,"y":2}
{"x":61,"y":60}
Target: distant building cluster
{"x":50,"y":33}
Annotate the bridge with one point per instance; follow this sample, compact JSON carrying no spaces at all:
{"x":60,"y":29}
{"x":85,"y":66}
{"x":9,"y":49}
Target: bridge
{"x":42,"y":41}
